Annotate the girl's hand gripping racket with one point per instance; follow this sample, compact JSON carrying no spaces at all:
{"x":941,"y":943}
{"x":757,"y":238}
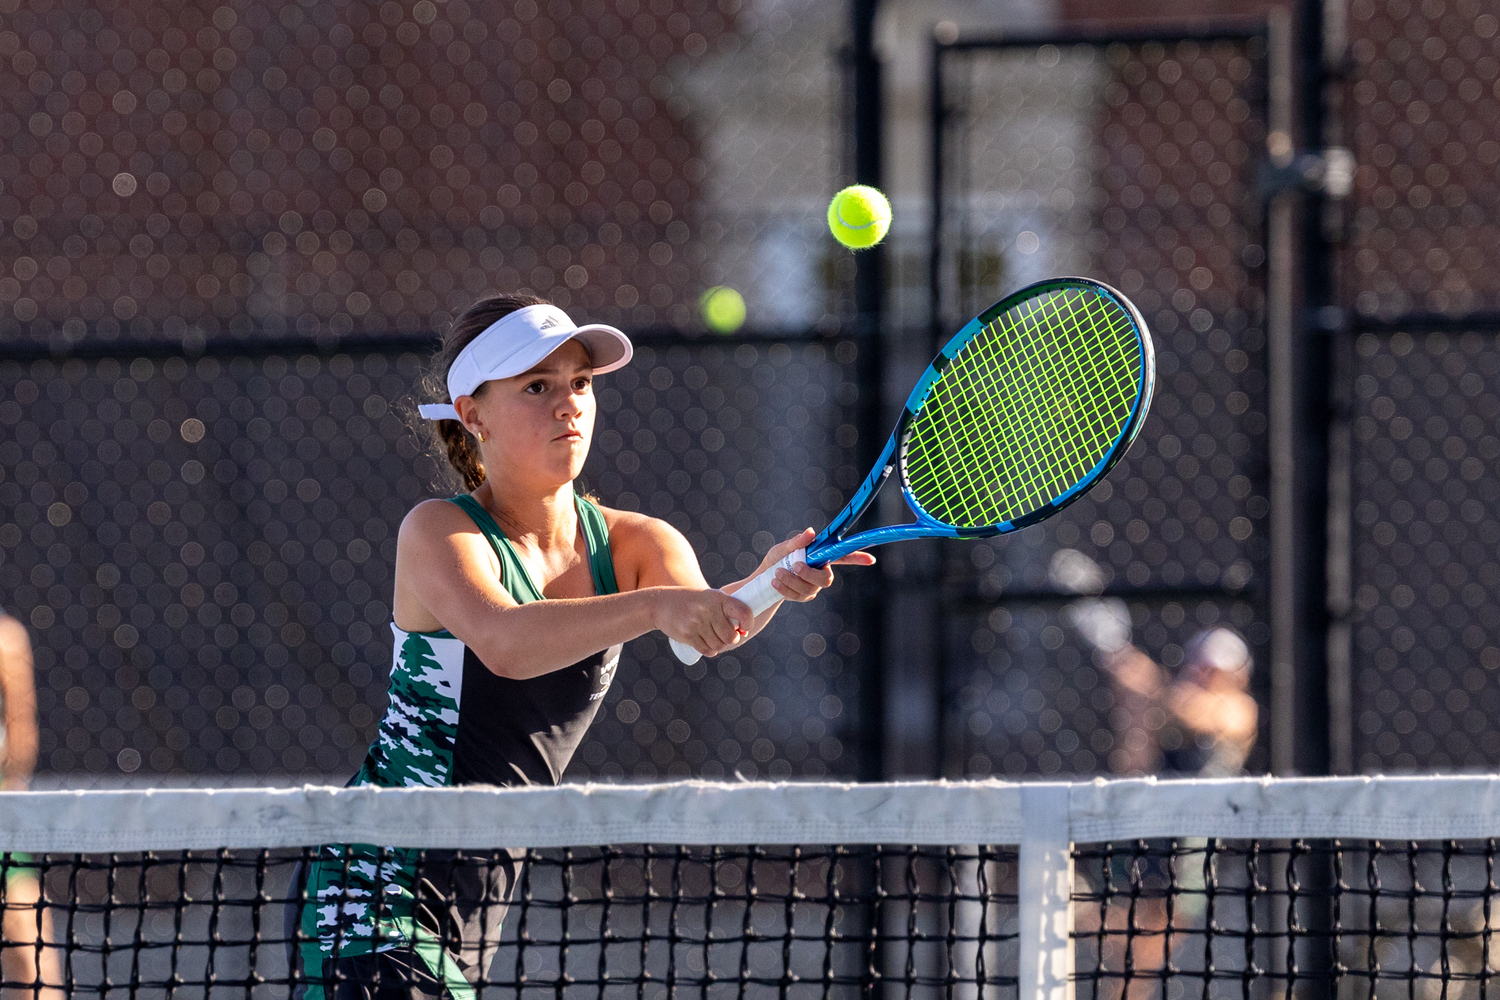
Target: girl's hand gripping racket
{"x":1025,"y":409}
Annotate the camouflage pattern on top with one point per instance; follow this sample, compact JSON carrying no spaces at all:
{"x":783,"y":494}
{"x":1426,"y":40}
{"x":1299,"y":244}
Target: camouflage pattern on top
{"x":414,"y":748}
{"x":417,"y":734}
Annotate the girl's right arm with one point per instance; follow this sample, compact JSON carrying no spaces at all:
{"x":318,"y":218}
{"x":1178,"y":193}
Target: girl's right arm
{"x":448,"y":577}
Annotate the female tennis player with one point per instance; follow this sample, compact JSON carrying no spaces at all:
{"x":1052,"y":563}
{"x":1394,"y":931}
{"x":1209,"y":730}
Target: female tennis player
{"x":511,"y":605}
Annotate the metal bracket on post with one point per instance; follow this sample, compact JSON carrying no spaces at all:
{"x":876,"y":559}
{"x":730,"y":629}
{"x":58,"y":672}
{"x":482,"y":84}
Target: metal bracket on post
{"x":1044,"y":885}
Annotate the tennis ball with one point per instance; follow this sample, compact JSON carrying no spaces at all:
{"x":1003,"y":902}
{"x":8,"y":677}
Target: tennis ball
{"x":859,"y":217}
{"x":723,"y":309}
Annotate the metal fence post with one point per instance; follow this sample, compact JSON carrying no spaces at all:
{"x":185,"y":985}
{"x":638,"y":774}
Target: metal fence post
{"x":869,"y":324}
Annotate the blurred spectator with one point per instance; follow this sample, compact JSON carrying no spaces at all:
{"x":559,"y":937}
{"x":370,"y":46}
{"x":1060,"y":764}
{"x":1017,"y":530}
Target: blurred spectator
{"x":1209,"y":699}
{"x":1210,"y":703}
{"x":27,"y":966}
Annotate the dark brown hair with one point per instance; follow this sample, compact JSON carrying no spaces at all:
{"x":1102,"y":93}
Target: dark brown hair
{"x":463,"y":450}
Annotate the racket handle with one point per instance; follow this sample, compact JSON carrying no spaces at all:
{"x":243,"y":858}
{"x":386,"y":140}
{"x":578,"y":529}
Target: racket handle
{"x":758,"y":593}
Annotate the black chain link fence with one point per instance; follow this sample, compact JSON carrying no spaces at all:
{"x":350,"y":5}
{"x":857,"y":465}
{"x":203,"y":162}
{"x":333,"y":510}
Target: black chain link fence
{"x":1418,"y":108}
{"x":204,"y":550}
{"x":1427,"y":625}
{"x":201,"y":537}
{"x":1134,"y":163}
{"x":193,"y":171}
{"x":1419,"y":271}
{"x":1421,"y":116}
{"x":201,"y":542}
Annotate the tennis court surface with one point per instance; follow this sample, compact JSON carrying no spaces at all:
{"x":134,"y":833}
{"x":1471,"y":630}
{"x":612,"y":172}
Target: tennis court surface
{"x":1370,"y":887}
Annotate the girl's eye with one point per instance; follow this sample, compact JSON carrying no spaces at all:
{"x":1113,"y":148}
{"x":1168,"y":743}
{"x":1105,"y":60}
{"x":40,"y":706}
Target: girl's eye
{"x":537,"y":388}
{"x":581,"y":384}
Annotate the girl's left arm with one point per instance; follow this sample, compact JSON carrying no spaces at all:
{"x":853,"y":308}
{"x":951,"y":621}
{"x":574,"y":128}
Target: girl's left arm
{"x":660,"y":556}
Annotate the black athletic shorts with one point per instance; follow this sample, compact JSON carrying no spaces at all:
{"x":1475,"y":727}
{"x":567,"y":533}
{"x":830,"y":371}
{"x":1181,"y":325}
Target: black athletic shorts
{"x":474,"y":895}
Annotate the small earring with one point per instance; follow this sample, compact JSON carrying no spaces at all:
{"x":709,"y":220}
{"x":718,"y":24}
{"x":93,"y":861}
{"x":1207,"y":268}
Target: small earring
{"x":481,"y":437}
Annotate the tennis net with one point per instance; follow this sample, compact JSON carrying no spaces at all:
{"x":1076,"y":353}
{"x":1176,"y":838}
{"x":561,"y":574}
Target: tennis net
{"x":1126,"y":889}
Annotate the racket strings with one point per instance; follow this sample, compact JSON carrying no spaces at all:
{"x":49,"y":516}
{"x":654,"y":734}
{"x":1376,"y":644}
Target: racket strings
{"x":1030,"y":400}
{"x":1114,"y":371}
{"x":964,"y":498}
{"x":1026,"y":409}
{"x":1049,"y":386}
{"x":1044,"y":384}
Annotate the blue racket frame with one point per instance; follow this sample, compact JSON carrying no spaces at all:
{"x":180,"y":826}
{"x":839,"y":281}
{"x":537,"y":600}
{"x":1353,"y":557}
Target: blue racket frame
{"x":831,"y":542}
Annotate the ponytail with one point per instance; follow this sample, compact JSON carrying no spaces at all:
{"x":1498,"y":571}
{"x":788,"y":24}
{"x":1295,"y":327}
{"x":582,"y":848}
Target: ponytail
{"x":462,"y":454}
{"x":461,"y":447}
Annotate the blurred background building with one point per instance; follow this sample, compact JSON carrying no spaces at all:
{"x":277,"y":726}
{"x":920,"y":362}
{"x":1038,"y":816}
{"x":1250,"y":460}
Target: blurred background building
{"x":229,"y":233}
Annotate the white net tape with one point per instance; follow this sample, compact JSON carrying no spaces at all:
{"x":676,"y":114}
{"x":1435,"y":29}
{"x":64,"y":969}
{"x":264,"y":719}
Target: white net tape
{"x":693,"y":812}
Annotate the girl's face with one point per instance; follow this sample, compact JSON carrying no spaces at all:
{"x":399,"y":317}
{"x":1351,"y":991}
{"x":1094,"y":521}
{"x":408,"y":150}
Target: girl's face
{"x":537,"y":426}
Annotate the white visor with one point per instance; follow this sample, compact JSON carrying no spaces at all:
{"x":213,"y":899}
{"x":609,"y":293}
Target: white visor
{"x":517,"y":342}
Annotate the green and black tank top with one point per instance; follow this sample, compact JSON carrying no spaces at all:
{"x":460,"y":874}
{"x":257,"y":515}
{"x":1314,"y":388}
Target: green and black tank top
{"x":453,"y":721}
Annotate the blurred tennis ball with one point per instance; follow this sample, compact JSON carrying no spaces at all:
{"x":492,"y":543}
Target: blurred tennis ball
{"x":723,"y":309}
{"x":859,"y":217}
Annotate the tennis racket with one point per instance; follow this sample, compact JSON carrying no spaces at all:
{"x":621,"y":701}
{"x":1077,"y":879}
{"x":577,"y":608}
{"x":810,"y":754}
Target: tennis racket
{"x":1025,"y":409}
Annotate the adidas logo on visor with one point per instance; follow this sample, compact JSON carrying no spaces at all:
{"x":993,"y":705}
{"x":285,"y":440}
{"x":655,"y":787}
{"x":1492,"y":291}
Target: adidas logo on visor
{"x":549,"y":323}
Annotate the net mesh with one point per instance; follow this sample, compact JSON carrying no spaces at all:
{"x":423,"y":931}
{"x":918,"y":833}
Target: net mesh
{"x":1363,"y":918}
{"x":1026,"y":409}
{"x":616,"y":921}
{"x":1243,"y":914}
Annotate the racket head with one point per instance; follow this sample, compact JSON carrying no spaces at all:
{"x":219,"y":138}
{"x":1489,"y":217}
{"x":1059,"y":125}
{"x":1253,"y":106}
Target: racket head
{"x":1026,"y":408}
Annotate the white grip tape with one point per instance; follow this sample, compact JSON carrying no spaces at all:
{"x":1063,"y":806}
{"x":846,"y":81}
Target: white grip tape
{"x":758,"y":593}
